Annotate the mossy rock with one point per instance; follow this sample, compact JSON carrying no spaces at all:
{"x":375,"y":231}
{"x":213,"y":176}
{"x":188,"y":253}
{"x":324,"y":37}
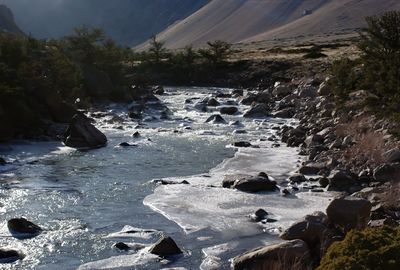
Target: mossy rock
{"x":373,"y":248}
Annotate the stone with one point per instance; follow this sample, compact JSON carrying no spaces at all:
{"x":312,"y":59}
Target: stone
{"x":82,"y":134}
{"x":282,"y":90}
{"x":323,"y":181}
{"x":158,"y":90}
{"x":242,"y":144}
{"x":297,"y":178}
{"x":309,"y":170}
{"x":259,"y":110}
{"x":238,"y":92}
{"x":200,"y":106}
{"x":216,"y":119}
{"x":229,"y":110}
{"x":295,"y":252}
{"x":259,"y":215}
{"x":387,"y":172}
{"x":311,"y":229}
{"x":349,"y":213}
{"x":10,"y":256}
{"x":21,"y":228}
{"x":2,"y":161}
{"x":248,"y":183}
{"x":166,"y":246}
{"x":285,"y":113}
{"x":393,"y":155}
{"x":313,"y":140}
{"x":340,"y":180}
{"x":325,"y":88}
{"x":212,"y":102}
{"x":122,"y":246}
{"x":136,"y":134}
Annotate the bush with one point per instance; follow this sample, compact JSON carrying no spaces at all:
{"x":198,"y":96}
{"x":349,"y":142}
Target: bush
{"x":373,"y":248}
{"x":344,"y":78}
{"x":380,"y":44}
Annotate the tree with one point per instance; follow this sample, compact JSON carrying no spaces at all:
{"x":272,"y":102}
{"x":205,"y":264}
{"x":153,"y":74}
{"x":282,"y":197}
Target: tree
{"x":157,"y":49}
{"x":380,"y":44}
{"x":217,"y":52}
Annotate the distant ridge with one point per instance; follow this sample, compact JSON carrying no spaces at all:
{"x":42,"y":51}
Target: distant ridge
{"x":258,"y":20}
{"x":7,"y":23}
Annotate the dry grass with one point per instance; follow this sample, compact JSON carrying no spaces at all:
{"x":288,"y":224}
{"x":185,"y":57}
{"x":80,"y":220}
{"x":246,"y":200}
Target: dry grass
{"x":369,"y":145}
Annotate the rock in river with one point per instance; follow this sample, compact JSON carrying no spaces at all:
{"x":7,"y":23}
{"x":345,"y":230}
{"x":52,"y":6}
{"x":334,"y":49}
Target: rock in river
{"x":10,"y":255}
{"x":82,"y":134}
{"x":249,"y":183}
{"x":21,"y":228}
{"x":259,"y":110}
{"x":229,"y":110}
{"x":216,"y":119}
{"x":166,"y":246}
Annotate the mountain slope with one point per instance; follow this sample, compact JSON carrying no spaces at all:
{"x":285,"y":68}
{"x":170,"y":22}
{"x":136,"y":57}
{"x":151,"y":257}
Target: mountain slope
{"x":7,"y":23}
{"x":127,"y":21}
{"x":255,"y":20}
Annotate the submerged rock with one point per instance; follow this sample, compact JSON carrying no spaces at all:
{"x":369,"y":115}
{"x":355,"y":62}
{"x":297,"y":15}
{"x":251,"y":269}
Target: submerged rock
{"x":82,"y":134}
{"x":22,"y":228}
{"x":166,"y":246}
{"x":2,"y":161}
{"x":212,"y":102}
{"x":216,"y":119}
{"x":10,"y":256}
{"x":259,"y":215}
{"x":279,"y":256}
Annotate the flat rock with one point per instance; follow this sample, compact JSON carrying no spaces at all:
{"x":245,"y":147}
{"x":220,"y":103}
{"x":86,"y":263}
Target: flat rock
{"x":295,"y":252}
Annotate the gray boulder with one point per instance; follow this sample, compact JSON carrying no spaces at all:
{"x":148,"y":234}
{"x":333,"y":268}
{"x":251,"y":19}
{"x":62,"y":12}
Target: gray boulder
{"x":166,"y":246}
{"x":387,"y":172}
{"x":279,"y":256}
{"x":349,"y":213}
{"x":216,"y":119}
{"x":259,"y":110}
{"x":248,"y":183}
{"x":229,"y":110}
{"x":340,"y":180}
{"x":393,"y":155}
{"x":82,"y":134}
{"x":212,"y":102}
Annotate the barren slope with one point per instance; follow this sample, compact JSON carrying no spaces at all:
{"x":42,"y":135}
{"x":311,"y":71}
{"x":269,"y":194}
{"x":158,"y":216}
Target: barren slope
{"x":255,"y":20}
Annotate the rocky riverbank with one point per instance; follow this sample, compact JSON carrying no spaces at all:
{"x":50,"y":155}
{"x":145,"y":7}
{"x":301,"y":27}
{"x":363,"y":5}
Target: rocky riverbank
{"x":347,"y":150}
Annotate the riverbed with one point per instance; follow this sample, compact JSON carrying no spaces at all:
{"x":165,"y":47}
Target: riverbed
{"x":89,"y":200}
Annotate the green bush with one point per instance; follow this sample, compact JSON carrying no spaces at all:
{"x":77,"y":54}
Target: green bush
{"x":344,"y":78}
{"x":373,"y":248}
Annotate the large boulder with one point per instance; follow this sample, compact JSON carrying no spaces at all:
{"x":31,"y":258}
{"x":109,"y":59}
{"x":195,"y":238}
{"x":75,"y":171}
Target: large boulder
{"x":166,"y":246}
{"x":212,"y":102}
{"x":349,"y":213}
{"x":313,"y":140}
{"x":340,"y":180}
{"x":393,"y":155}
{"x":387,"y":172}
{"x":279,"y":256}
{"x":284,"y":113}
{"x":248,"y":183}
{"x":259,"y":110}
{"x":82,"y":134}
{"x":22,"y":228}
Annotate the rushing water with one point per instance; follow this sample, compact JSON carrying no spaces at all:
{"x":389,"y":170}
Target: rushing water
{"x":85,"y":200}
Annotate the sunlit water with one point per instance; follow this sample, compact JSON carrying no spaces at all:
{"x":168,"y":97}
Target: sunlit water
{"x":84,"y":200}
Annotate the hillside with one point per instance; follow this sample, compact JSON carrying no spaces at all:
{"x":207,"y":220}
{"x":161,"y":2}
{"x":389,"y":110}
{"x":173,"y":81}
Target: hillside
{"x":127,"y":21}
{"x":256,"y":20}
{"x":7,"y":23}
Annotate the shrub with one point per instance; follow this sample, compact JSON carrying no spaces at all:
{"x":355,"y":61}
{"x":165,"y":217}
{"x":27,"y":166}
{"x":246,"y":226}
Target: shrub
{"x":373,"y":248}
{"x":344,"y":78}
{"x":380,"y":44}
